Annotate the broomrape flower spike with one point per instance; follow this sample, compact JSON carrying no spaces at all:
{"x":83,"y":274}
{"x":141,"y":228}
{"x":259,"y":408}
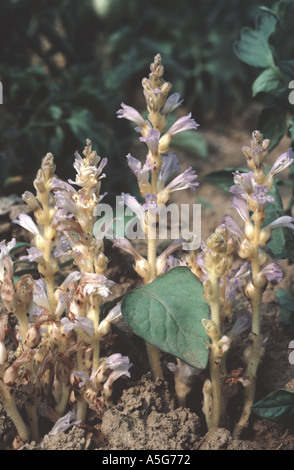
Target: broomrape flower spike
{"x":153,"y":175}
{"x":59,"y":331}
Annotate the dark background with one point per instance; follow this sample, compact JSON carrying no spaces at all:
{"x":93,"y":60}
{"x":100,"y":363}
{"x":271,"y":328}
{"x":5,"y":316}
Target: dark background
{"x":66,"y":66}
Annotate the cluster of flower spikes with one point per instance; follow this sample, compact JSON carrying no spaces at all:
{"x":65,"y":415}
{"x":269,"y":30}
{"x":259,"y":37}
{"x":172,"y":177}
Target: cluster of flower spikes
{"x":58,"y":357}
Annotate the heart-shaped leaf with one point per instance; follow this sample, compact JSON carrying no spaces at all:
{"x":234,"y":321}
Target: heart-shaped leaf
{"x":168,"y":312}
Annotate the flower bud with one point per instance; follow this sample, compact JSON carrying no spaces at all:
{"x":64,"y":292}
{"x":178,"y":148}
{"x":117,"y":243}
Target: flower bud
{"x":57,"y":389}
{"x":211,"y":329}
{"x":103,"y":328}
{"x":207,"y":291}
{"x":142,"y":267}
{"x":102,"y":263}
{"x":221,"y":267}
{"x":163,"y":196}
{"x":262,"y":256}
{"x":10,"y":376}
{"x":264,"y":236}
{"x":250,"y":291}
{"x":48,"y":166}
{"x":39,"y":242}
{"x":245,"y":250}
{"x":217,"y":243}
{"x":87,"y":359}
{"x":164,"y":143}
{"x":62,"y":371}
{"x":33,"y":337}
{"x":31,"y":200}
{"x":265,"y":144}
{"x":39,"y":185}
{"x":3,"y":353}
{"x":249,"y":231}
{"x":223,"y":345}
{"x":260,"y":281}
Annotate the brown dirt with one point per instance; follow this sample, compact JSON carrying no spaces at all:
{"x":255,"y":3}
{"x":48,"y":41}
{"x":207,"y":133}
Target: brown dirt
{"x":145,"y":414}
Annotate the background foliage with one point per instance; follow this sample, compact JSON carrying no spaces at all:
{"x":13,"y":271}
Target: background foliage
{"x":66,"y":65}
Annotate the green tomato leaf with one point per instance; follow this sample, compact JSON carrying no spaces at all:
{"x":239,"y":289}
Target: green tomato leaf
{"x":282,"y":236}
{"x":269,"y":81}
{"x":253,"y":47}
{"x":168,"y":312}
{"x":286,"y":304}
{"x":278,"y":407}
{"x":272,"y":122}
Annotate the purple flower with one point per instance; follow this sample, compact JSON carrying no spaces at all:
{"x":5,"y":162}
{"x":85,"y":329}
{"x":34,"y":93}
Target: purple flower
{"x":171,"y":104}
{"x":152,"y":140}
{"x":257,"y":154}
{"x":80,"y":323}
{"x":242,"y":324}
{"x":33,"y":255}
{"x":64,"y":423}
{"x":31,"y":200}
{"x":27,"y":222}
{"x":169,"y":166}
{"x":126,"y":245}
{"x":229,"y":223}
{"x":135,"y":206}
{"x":58,"y":184}
{"x":284,"y":221}
{"x":260,"y":195}
{"x":245,"y":183}
{"x":142,"y":174}
{"x":120,"y":366}
{"x":236,"y":279}
{"x":285,"y":160}
{"x":183,"y":371}
{"x":161,"y":260}
{"x":185,"y":180}
{"x":86,"y":171}
{"x":273,"y":272}
{"x":151,"y":202}
{"x":96,"y":284}
{"x":185,"y":123}
{"x":4,"y":254}
{"x":127,"y":112}
{"x":241,"y":207}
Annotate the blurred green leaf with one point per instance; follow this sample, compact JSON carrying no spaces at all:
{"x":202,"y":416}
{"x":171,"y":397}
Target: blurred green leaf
{"x":277,"y":246}
{"x":191,"y":142}
{"x":272,"y":122}
{"x":278,"y":407}
{"x":55,"y":112}
{"x":286,"y":304}
{"x":269,"y":81}
{"x":253,"y":47}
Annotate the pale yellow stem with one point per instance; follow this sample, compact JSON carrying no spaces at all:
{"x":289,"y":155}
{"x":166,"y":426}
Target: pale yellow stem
{"x":7,"y":399}
{"x":153,"y":351}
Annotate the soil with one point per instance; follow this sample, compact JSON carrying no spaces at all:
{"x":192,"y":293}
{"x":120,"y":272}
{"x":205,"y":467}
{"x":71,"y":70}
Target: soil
{"x":145,"y":414}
